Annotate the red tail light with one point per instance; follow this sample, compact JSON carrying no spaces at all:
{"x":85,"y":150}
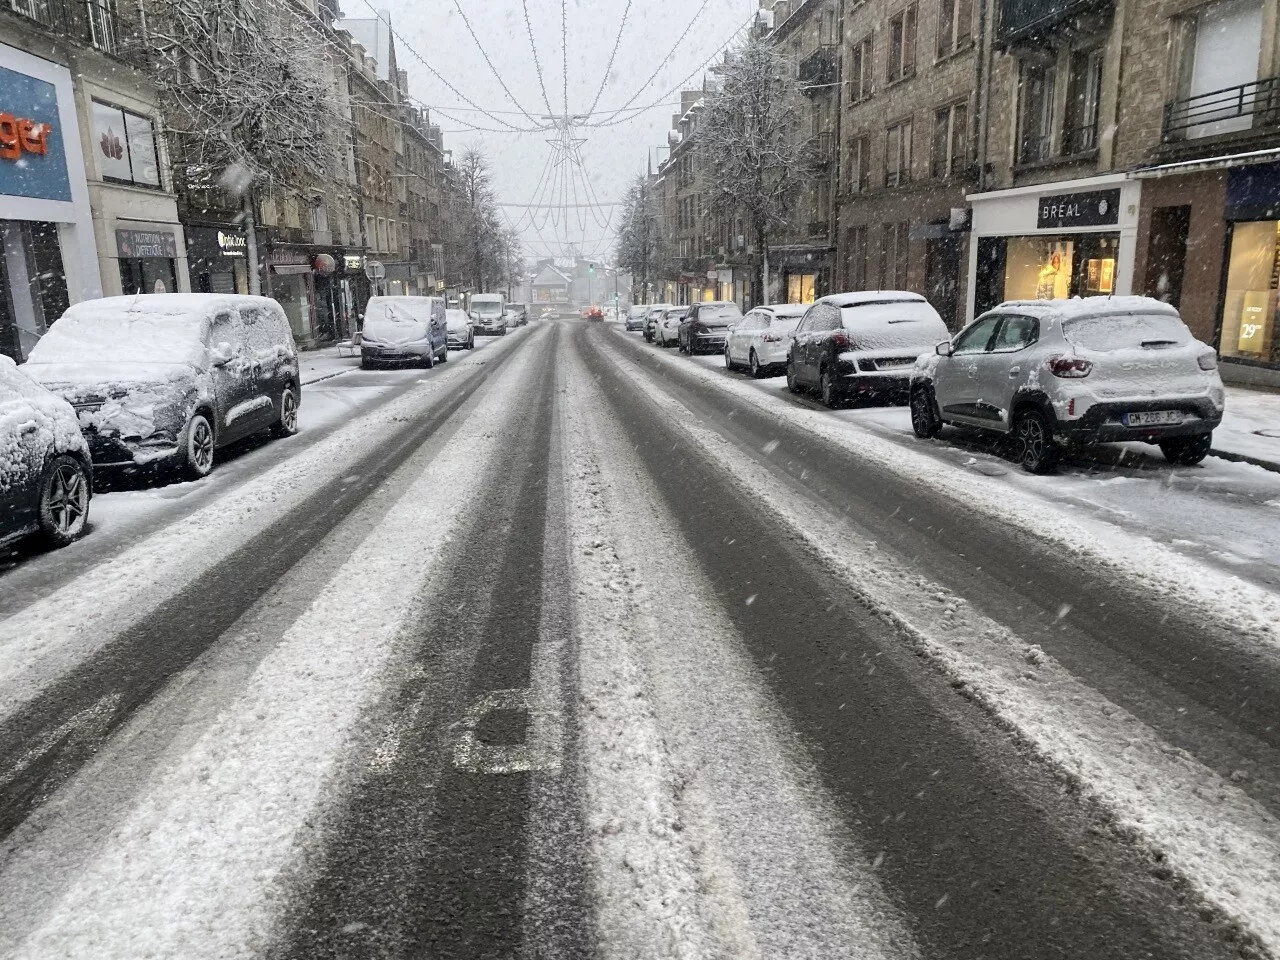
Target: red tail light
{"x":771,"y":337}
{"x":1069,"y":368}
{"x":841,"y":341}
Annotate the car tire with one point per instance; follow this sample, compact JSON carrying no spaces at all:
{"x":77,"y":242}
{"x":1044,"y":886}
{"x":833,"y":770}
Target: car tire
{"x":1037,"y":451}
{"x":63,"y":510}
{"x":444,"y":357}
{"x":287,"y":424}
{"x":757,"y":371}
{"x":200,"y":443}
{"x":831,"y":398}
{"x":793,"y":382}
{"x":728,"y":359}
{"x":1187,"y":451}
{"x":924,"y":414}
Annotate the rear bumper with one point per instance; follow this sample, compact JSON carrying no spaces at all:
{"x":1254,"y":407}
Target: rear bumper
{"x":1101,"y":423}
{"x":852,"y":378}
{"x":458,"y":341}
{"x":708,"y":342}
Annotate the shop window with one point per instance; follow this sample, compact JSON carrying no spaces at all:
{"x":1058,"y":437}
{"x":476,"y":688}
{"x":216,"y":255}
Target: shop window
{"x":1046,"y":268}
{"x":950,"y":140}
{"x":897,"y":154}
{"x":902,"y":45}
{"x":125,"y":145}
{"x":1035,"y":111}
{"x":801,"y":287}
{"x":1084,"y":87}
{"x":33,"y":284}
{"x":147,"y":275}
{"x":861,"y":74}
{"x":955,"y":25}
{"x":1253,"y":278}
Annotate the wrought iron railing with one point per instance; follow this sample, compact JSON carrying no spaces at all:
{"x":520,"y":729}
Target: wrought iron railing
{"x":92,"y":21}
{"x":1206,"y":114}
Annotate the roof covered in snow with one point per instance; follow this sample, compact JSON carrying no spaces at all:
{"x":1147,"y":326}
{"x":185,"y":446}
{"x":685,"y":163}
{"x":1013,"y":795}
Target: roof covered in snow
{"x":869,"y":296}
{"x":1091,"y":307}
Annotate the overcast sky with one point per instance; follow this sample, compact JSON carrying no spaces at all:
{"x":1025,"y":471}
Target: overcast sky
{"x":612,"y":155}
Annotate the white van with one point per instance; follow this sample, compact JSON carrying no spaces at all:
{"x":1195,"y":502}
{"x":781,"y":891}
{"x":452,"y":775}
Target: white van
{"x":404,"y":330}
{"x":489,"y":313}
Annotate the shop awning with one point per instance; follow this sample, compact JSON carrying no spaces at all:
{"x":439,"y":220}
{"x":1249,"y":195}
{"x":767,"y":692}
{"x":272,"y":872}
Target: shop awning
{"x":1206,"y":163}
{"x":291,"y":269}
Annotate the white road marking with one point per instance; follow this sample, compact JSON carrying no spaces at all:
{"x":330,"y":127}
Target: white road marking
{"x":543,"y":755}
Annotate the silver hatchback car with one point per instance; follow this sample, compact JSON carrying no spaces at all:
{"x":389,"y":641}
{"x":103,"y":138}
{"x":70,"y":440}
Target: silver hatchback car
{"x":1061,"y":372}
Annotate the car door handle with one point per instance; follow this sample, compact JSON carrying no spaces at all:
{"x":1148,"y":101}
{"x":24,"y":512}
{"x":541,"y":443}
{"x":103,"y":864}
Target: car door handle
{"x":1014,"y":371}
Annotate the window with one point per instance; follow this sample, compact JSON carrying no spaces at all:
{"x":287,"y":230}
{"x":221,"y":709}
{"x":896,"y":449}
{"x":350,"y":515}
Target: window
{"x":859,"y":167}
{"x":1016,"y":333}
{"x":1221,"y":46}
{"x":955,"y":25}
{"x":1080,"y":124}
{"x":897,"y":154}
{"x":370,"y":232}
{"x":855,"y":256}
{"x":319,"y":216}
{"x":126,"y":146}
{"x":1035,"y":115}
{"x":950,"y":140}
{"x":976,"y":338}
{"x":893,"y":255}
{"x":902,"y":45}
{"x":860,"y":70}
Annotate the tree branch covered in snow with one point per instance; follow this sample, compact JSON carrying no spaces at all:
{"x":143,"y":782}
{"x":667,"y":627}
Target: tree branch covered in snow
{"x":639,"y":239}
{"x":485,"y":253}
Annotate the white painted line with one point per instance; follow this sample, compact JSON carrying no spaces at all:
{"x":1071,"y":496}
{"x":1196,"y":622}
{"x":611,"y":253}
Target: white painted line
{"x":543,"y":756}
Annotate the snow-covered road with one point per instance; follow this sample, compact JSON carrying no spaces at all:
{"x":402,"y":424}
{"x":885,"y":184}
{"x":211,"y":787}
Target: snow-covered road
{"x":578,"y":649}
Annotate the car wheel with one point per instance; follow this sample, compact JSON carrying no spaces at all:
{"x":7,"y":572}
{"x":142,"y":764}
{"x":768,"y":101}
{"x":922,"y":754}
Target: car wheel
{"x":444,"y":357}
{"x":728,"y":358}
{"x":1037,"y":451}
{"x":287,"y":425}
{"x":680,"y":345}
{"x":924,"y":414}
{"x":793,"y":382}
{"x":757,"y":371}
{"x":1187,"y":451}
{"x":830,"y":394}
{"x":64,"y":501}
{"x":198,"y":456}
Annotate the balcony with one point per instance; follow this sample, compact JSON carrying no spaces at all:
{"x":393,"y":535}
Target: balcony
{"x":91,"y":21}
{"x":818,"y":71}
{"x":1230,"y":110}
{"x":1026,"y":19}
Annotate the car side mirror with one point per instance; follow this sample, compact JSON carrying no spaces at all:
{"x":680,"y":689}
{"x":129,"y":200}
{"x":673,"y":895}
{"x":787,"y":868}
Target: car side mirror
{"x":222,"y":353}
{"x":944,"y":349}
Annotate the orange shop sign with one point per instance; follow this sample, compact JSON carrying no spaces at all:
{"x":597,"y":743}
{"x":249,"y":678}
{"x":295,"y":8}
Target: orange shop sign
{"x":19,"y":135}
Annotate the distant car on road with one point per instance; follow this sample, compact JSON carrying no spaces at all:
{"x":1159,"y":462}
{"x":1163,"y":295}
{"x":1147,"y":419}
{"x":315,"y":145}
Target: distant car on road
{"x":1054,"y":373}
{"x":489,"y":314}
{"x":636,"y":317}
{"x":762,"y":340}
{"x":399,"y":330}
{"x":518,"y":314}
{"x":168,"y":379}
{"x":862,"y":344}
{"x":707,"y":326}
{"x":656,"y":311}
{"x":45,"y":465}
{"x":461,"y":334}
{"x":666,"y":331}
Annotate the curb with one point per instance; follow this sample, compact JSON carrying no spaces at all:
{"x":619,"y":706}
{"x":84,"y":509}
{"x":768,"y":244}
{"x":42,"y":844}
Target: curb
{"x":1245,"y":458}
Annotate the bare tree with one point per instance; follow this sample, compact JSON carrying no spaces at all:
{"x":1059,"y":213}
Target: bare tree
{"x":248,"y":95}
{"x":485,"y":247}
{"x":753,"y":161}
{"x":639,"y":238}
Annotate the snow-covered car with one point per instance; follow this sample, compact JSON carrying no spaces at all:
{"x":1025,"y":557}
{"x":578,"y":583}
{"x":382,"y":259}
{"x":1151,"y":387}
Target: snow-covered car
{"x":656,"y":311}
{"x":401,"y":330}
{"x":489,"y":314}
{"x":461,"y":334}
{"x":862,"y":343}
{"x":706,"y":327}
{"x":168,"y":379}
{"x":636,"y":317}
{"x":517,"y":314}
{"x":45,"y":467}
{"x":1061,"y":372}
{"x":666,"y":332}
{"x":762,"y":340}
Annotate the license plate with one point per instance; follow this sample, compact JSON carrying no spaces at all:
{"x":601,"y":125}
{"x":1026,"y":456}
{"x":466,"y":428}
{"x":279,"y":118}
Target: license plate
{"x":1152,"y":418}
{"x":891,"y":364}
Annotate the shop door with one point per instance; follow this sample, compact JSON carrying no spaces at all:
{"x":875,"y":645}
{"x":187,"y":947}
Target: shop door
{"x":942,"y":277}
{"x":1167,"y":253}
{"x":988,"y":292}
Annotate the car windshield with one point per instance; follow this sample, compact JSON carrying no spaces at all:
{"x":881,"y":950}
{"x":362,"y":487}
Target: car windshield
{"x":1123,"y":332}
{"x":930,"y":612}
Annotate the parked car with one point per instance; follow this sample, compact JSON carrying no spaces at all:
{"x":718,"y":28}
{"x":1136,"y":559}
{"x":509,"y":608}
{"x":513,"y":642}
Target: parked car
{"x":863,"y":344}
{"x":169,"y":379}
{"x":666,"y":331}
{"x":46,"y":475}
{"x":399,"y":330}
{"x":1055,"y":373}
{"x":656,"y":312}
{"x":519,"y":313}
{"x":489,"y":314}
{"x":762,"y":340}
{"x":636,"y":317}
{"x":462,"y":335}
{"x":707,"y":325}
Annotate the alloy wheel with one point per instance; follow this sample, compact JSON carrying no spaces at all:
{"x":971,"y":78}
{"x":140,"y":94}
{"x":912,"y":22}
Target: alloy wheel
{"x":68,"y":499}
{"x":289,"y":412}
{"x":755,"y":365}
{"x":201,"y":445}
{"x":1031,"y":440}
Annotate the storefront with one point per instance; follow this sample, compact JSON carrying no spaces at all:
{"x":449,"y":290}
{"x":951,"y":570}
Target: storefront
{"x":217,"y":258}
{"x":1070,"y":239}
{"x":290,"y":283}
{"x":48,"y":253}
{"x":1248,"y":336}
{"x":147,"y":261}
{"x":800,"y":274}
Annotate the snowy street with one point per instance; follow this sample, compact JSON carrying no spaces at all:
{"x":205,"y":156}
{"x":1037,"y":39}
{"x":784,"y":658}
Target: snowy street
{"x":574,"y":647}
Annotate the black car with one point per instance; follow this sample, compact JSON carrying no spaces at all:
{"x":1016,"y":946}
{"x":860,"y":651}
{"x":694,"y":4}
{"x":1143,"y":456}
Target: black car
{"x":707,"y":326}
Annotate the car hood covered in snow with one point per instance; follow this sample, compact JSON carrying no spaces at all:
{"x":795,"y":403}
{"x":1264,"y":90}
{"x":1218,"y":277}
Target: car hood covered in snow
{"x":132,"y":401}
{"x":32,"y":419}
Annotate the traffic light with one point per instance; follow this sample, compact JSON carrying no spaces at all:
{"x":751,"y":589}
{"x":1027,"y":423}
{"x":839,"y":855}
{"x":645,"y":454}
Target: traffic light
{"x":591,"y":268}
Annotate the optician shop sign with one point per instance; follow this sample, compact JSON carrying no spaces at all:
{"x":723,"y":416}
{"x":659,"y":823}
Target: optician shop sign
{"x":32,"y":160}
{"x":1098,"y":208}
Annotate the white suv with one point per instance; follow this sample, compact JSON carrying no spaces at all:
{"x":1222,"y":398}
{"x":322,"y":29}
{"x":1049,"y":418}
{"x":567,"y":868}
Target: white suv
{"x":1056,"y":372}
